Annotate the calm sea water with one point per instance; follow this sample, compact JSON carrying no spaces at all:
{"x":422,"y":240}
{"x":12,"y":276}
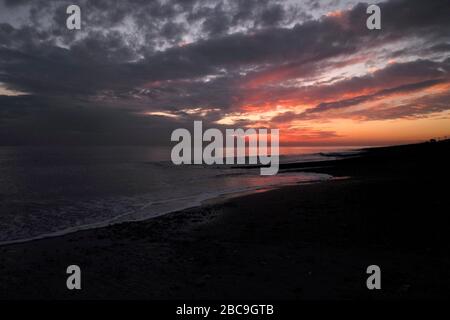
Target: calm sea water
{"x":53,"y":190}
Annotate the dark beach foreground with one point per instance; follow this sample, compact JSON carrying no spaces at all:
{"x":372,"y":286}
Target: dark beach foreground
{"x":388,"y":207}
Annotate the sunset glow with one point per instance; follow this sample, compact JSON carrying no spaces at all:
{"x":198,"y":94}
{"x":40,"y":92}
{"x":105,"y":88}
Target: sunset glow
{"x":314,"y":71}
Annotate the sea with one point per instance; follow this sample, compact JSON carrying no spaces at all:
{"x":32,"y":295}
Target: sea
{"x":49,"y":191}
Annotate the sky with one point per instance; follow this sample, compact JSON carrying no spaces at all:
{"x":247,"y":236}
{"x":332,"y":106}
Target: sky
{"x":139,"y":69}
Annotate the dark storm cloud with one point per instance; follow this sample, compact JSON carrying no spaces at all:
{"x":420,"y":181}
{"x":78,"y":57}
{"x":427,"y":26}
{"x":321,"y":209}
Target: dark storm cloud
{"x":327,"y":106}
{"x":395,"y":79}
{"x":136,"y":56}
{"x":40,"y":120}
{"x":104,"y":59}
{"x":416,"y":75}
{"x":388,"y":79}
{"x":101,"y":57}
{"x":417,"y":108}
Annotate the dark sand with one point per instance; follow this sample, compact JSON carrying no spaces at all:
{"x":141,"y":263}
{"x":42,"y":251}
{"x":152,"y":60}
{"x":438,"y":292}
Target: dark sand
{"x":302,"y":242}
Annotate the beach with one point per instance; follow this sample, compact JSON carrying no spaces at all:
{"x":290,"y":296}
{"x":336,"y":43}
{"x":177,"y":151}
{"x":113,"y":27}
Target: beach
{"x":310,"y":241}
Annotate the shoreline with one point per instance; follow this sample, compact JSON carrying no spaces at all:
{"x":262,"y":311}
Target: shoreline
{"x":310,"y":241}
{"x":172,"y":227}
{"x":199,"y":203}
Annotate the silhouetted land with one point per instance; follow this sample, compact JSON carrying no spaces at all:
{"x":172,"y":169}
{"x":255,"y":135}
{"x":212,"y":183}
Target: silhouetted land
{"x":302,"y":242}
